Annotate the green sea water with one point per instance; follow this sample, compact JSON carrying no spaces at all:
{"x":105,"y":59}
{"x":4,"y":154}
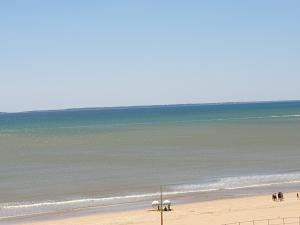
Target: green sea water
{"x":56,"y":160}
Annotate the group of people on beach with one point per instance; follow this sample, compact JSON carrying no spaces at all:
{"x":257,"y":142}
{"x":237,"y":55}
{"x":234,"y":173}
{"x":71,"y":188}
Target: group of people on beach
{"x":277,"y":197}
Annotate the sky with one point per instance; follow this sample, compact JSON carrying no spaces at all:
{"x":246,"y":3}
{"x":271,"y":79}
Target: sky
{"x":57,"y":54}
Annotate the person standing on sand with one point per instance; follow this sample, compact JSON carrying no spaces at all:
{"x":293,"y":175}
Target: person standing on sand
{"x":274,"y":197}
{"x":280,"y":196}
{"x":297,"y":195}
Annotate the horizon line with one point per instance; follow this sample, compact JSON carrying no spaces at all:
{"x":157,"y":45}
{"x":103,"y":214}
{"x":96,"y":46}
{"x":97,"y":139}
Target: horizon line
{"x":150,"y":106}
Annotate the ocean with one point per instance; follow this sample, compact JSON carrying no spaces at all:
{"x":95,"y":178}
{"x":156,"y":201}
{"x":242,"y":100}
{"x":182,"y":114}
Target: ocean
{"x":64,"y":160}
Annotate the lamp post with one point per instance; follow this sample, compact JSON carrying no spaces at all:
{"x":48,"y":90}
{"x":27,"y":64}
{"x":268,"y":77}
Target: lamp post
{"x":161,"y":207}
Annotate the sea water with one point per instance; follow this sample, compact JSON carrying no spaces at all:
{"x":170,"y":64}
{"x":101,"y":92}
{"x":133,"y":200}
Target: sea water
{"x":52,"y":161}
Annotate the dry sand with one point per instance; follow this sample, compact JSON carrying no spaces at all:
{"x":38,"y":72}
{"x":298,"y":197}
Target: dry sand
{"x":204,"y":213}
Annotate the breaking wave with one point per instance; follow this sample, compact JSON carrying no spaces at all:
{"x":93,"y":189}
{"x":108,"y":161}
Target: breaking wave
{"x":227,"y":183}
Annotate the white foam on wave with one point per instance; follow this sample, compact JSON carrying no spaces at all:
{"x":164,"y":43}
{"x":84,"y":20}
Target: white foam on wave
{"x":78,"y":201}
{"x":227,"y":183}
{"x":242,"y":182}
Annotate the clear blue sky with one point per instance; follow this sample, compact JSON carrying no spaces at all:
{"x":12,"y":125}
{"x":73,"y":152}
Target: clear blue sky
{"x":64,"y":54}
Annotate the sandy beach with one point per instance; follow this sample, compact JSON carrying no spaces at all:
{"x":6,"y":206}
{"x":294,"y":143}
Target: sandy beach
{"x":207,"y":213}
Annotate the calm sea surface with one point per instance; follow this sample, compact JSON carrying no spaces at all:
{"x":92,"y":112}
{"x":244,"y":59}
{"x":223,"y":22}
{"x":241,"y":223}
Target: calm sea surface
{"x":60,"y":160}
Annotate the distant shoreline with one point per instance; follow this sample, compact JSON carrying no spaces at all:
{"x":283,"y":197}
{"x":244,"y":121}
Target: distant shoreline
{"x":151,"y":106}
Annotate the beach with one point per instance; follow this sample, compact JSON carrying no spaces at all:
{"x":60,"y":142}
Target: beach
{"x":215,"y":212}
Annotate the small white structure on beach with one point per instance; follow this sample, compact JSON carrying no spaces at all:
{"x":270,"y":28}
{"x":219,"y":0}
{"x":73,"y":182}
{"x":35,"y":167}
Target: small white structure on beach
{"x":155,"y":205}
{"x":167,"y":203}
